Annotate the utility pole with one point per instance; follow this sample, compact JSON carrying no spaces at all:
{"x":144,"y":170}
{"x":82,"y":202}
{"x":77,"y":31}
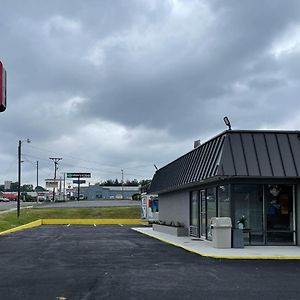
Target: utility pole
{"x":55,"y":160}
{"x":19,"y":174}
{"x":37,"y":173}
{"x":122,"y":182}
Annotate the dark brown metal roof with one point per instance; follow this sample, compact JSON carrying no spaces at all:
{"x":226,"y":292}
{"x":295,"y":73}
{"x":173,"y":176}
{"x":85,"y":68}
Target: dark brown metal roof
{"x":234,"y":153}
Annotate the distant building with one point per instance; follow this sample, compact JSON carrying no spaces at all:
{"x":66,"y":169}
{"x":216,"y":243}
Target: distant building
{"x":94,"y":192}
{"x":9,"y":195}
{"x":7,"y":185}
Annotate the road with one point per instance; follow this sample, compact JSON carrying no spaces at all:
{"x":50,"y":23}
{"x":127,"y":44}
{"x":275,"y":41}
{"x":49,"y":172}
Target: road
{"x":4,"y":206}
{"x":86,"y":203}
{"x":114,"y":262}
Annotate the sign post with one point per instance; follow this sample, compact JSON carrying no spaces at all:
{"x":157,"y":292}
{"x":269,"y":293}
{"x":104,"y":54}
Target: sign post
{"x":2,"y":88}
{"x":78,"y":181}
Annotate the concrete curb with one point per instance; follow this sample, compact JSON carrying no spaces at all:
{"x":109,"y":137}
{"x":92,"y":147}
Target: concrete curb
{"x":74,"y":222}
{"x":22,"y":227}
{"x":91,"y":221}
{"x":253,"y":257}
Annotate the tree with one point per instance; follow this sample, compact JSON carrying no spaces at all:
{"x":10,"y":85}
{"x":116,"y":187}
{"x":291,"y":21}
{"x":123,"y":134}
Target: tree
{"x":117,"y":183}
{"x":27,"y":188}
{"x":39,"y":189}
{"x":13,"y":187}
{"x":145,"y":185}
{"x":133,"y":182}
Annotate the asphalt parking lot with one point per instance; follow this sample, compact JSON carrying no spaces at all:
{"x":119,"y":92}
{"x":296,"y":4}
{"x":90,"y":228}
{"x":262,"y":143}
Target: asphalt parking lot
{"x":115,"y":262}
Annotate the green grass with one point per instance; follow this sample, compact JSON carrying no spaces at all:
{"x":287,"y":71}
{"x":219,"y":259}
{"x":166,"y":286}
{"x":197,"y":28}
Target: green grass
{"x":9,"y":220}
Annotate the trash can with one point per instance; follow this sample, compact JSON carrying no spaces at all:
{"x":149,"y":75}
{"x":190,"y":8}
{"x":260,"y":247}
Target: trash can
{"x":237,"y":238}
{"x":221,"y":232}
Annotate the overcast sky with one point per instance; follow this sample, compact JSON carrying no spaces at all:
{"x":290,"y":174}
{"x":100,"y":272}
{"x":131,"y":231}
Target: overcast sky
{"x":125,"y":84}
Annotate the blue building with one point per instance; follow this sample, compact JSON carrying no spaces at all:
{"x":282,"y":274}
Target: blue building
{"x":94,"y":192}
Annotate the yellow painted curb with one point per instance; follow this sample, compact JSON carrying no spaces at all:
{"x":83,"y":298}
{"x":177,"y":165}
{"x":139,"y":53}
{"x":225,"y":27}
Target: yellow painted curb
{"x":75,"y":222}
{"x":91,"y":221}
{"x":25,"y":226}
{"x":296,"y":257}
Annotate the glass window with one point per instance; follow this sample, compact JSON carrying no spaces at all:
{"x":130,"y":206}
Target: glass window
{"x":223,"y":201}
{"x":248,"y":208}
{"x":211,"y":208}
{"x":194,"y":208}
{"x":279,"y":214}
{"x":203,"y":213}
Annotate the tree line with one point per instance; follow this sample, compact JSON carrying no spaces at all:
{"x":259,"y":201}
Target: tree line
{"x":116,"y":182}
{"x":24,"y":188}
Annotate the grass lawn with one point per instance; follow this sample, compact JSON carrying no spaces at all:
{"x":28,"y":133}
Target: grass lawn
{"x":9,"y":220}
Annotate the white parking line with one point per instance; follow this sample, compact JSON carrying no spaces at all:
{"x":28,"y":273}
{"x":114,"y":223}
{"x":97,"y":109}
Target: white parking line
{"x":68,"y":225}
{"x":121,"y":225}
{"x":95,"y":225}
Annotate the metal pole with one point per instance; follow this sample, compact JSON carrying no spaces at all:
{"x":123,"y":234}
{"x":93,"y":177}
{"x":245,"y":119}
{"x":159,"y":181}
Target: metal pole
{"x":37,"y":180}
{"x":64,"y":197}
{"x":37,"y":173}
{"x":122,"y":183}
{"x":55,"y":168}
{"x":59,"y":187}
{"x":19,"y":178}
{"x":78,"y":188}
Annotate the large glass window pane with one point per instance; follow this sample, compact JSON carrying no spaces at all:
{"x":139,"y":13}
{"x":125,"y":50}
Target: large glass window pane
{"x":211,"y":209}
{"x":223,"y":201}
{"x":279,"y":214}
{"x":203,"y":213}
{"x":248,"y":205}
{"x":194,"y":209}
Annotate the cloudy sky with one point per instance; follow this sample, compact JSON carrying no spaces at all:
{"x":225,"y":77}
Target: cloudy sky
{"x":125,"y":84}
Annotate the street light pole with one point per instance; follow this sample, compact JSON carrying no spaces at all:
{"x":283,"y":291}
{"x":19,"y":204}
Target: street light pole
{"x":19,"y":178}
{"x":37,"y":173}
{"x":122,"y":182}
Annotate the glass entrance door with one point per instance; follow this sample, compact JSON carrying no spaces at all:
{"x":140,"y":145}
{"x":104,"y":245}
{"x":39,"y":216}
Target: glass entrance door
{"x":279,"y":206}
{"x":203,"y":213}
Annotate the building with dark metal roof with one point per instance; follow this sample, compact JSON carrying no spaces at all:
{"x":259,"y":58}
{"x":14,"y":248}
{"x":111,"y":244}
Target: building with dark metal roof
{"x":238,"y":173}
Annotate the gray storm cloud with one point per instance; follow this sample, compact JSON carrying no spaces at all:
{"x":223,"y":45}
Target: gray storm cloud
{"x":132,"y":83}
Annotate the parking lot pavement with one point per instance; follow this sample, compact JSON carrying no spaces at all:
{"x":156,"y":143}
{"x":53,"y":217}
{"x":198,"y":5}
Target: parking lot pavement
{"x":88,"y":203}
{"x":115,"y":262}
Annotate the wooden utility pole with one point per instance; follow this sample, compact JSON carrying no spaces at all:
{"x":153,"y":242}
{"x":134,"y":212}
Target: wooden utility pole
{"x":55,"y":160}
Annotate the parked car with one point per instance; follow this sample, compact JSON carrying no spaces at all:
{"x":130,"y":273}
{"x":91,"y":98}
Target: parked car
{"x":4,"y":199}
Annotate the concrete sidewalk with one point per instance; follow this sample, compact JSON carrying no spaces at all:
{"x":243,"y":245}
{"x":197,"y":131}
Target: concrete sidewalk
{"x":205,"y":248}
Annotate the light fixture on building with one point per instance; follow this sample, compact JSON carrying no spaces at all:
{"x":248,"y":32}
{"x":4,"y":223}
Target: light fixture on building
{"x":227,"y":122}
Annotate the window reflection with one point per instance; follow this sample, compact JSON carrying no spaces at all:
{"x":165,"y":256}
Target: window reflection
{"x":194,"y":208}
{"x":223,"y":201}
{"x":211,"y":209}
{"x":248,"y":205}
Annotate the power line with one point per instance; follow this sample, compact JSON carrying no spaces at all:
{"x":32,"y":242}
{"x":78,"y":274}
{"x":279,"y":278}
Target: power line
{"x":85,"y":160}
{"x":115,"y":173}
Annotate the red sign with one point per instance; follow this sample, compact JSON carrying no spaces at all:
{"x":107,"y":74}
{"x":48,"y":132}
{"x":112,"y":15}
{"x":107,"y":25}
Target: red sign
{"x":2,"y":88}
